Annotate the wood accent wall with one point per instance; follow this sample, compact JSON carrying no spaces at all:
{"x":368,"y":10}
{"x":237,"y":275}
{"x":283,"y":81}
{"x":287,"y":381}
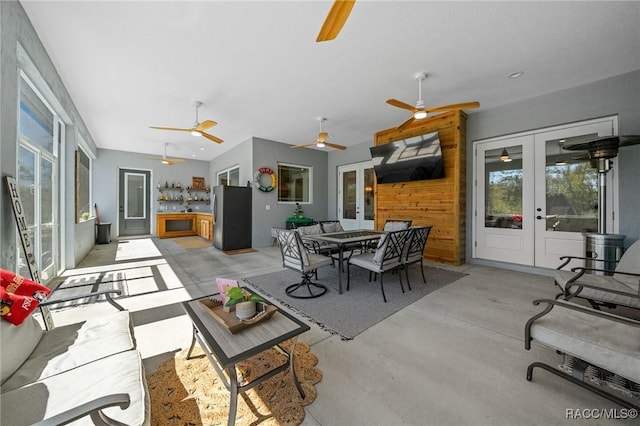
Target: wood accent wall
{"x":439,"y":202}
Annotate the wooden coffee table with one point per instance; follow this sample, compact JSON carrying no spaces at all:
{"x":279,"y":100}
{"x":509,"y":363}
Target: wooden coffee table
{"x":225,"y":349}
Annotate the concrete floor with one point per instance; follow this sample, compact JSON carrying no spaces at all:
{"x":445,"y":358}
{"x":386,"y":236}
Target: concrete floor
{"x":455,"y":357}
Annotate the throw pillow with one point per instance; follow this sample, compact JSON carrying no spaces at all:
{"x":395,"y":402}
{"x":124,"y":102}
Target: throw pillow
{"x":19,"y":296}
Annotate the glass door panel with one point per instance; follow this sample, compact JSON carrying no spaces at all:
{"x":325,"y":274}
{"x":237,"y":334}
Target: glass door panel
{"x":47,"y":219}
{"x":135,"y":196}
{"x":503,"y":189}
{"x":27,"y":187}
{"x":369,"y":196}
{"x":349,"y":195}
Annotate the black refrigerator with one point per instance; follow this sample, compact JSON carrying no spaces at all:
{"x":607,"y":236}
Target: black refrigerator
{"x":232,"y":217}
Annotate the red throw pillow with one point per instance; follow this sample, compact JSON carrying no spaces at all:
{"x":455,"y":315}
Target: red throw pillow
{"x":19,"y":296}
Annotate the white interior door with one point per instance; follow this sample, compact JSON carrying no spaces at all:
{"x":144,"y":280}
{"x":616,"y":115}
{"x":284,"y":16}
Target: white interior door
{"x":356,"y":195}
{"x":534,"y":207}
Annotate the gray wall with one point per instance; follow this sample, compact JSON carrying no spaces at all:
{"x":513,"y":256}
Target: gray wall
{"x":616,"y":95}
{"x":16,"y":29}
{"x":105,"y":181}
{"x":254,"y":153}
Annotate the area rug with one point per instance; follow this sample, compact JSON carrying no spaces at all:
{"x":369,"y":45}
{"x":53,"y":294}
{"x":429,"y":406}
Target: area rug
{"x":352,"y":312}
{"x":239,"y":251}
{"x":192,"y":242}
{"x":189,"y":392}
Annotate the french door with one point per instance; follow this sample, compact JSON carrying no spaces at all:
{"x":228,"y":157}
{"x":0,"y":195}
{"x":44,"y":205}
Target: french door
{"x":356,"y":195}
{"x":533,"y":199}
{"x":134,"y":202}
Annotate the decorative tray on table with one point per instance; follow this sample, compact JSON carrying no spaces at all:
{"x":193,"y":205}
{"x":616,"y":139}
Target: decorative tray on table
{"x":231,"y":321}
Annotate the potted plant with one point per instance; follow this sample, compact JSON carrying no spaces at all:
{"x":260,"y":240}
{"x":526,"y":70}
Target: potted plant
{"x":244,"y":302}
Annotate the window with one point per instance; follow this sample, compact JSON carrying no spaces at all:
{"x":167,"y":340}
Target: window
{"x":294,"y":184}
{"x":83,"y":185}
{"x":230,"y":176}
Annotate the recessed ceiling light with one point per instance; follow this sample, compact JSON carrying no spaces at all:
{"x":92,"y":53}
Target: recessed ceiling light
{"x":516,"y":74}
{"x":202,"y":149}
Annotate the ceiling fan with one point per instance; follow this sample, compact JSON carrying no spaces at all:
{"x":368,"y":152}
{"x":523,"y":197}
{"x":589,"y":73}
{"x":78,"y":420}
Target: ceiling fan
{"x":420,"y":111}
{"x":335,"y":20}
{"x":198,"y":128}
{"x":166,"y":160}
{"x":321,"y":140}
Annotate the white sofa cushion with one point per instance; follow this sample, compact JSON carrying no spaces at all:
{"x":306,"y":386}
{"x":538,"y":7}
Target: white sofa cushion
{"x":119,"y":373}
{"x":65,"y":348}
{"x":599,"y":341}
{"x":16,"y":344}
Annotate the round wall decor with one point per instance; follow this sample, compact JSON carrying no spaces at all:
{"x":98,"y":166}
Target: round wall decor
{"x":257,"y":179}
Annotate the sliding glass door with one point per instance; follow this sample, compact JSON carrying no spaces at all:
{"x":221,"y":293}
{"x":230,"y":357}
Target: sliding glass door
{"x":41,"y":134}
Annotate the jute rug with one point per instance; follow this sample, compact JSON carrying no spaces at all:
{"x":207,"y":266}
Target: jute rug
{"x":192,"y":242}
{"x":352,"y":312}
{"x":191,"y":393}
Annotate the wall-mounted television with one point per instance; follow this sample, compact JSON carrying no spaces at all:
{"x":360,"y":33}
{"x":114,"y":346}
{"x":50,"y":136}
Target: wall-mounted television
{"x":417,"y":158}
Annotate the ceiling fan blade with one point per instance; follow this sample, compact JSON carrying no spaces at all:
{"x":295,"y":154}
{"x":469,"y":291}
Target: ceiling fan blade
{"x":169,"y":128}
{"x":212,"y":138}
{"x":207,"y":124}
{"x":304,"y":145}
{"x":322,"y":136}
{"x":175,"y":160}
{"x":464,"y":105}
{"x":336,"y":146}
{"x":400,"y":104}
{"x":406,"y":124}
{"x":335,"y":20}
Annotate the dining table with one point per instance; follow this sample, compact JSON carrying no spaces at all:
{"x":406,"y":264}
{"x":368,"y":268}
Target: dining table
{"x":345,"y":241}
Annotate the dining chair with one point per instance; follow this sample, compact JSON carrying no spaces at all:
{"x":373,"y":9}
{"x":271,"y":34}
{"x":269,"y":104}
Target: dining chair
{"x":413,"y":251}
{"x":297,"y":256}
{"x":396,"y":225}
{"x":386,"y":257}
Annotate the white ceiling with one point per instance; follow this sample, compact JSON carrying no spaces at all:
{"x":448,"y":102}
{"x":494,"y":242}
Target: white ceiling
{"x":259,"y":72}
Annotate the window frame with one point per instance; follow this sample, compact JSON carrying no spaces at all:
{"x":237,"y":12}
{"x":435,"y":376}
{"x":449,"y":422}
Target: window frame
{"x":281,"y":181}
{"x":228,"y":173}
